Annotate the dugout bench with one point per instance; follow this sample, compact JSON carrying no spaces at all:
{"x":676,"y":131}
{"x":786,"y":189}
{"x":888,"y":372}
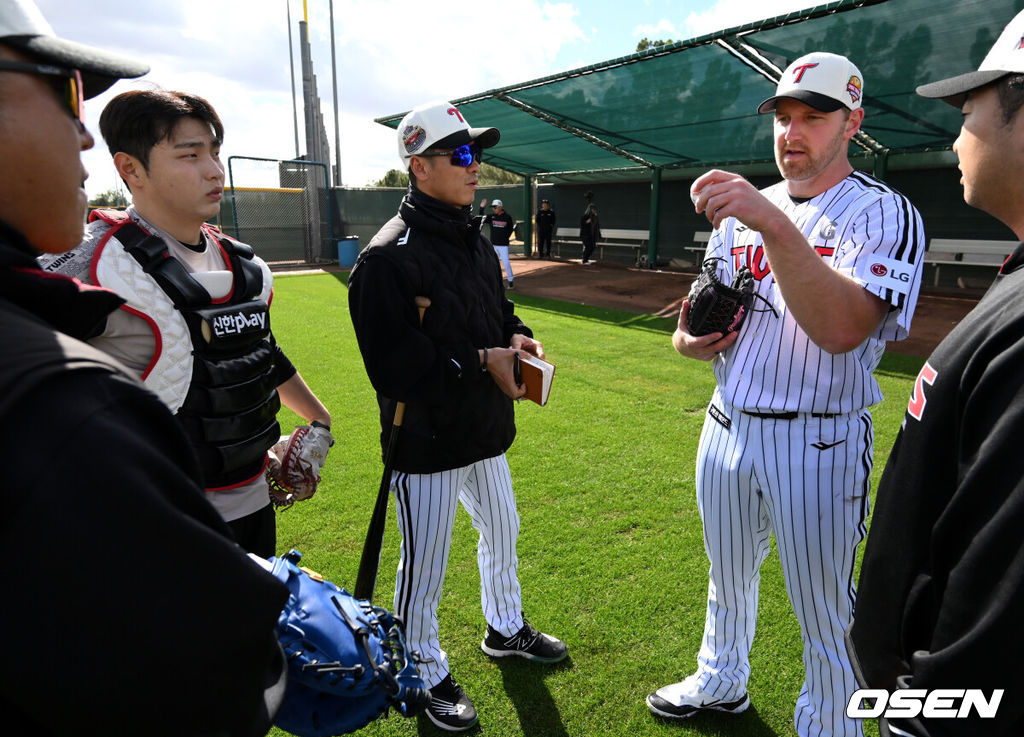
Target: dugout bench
{"x":636,"y":240}
{"x":959,"y":252}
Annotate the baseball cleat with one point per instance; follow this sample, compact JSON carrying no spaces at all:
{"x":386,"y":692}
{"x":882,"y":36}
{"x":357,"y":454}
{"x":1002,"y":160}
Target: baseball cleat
{"x":450,"y":709}
{"x":526,"y":643}
{"x":683,"y":700}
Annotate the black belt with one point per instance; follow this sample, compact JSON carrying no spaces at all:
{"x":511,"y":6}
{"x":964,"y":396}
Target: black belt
{"x":788,"y":415}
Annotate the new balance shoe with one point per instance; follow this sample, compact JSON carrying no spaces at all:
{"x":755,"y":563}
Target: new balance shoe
{"x":450,"y":708}
{"x":526,"y":643}
{"x":683,"y":700}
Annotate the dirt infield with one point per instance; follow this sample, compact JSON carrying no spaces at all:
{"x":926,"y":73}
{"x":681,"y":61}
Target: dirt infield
{"x":660,"y":292}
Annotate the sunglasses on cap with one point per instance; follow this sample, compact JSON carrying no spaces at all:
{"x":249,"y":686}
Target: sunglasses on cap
{"x":73,"y":97}
{"x":464,"y":155}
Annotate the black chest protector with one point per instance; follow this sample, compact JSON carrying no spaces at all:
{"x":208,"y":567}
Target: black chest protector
{"x":230,"y":411}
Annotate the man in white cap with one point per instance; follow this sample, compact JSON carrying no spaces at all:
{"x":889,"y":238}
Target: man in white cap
{"x":122,"y":571}
{"x":502,"y":226}
{"x":454,"y":370}
{"x":942,"y":585}
{"x":787,"y":442}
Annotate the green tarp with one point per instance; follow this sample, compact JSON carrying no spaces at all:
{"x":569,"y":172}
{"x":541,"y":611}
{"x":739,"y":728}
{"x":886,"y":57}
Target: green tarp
{"x":692,"y":104}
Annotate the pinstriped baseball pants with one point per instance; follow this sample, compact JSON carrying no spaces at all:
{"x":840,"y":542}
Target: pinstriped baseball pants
{"x":426,"y":505}
{"x":805,"y":480}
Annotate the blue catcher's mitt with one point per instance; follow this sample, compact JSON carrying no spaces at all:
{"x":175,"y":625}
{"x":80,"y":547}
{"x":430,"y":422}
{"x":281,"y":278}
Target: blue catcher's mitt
{"x":347,"y":662}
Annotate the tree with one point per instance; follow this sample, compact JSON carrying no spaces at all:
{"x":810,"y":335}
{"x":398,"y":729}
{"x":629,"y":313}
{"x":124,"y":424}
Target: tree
{"x":110,"y":198}
{"x":493,"y":175}
{"x":646,"y":43}
{"x":394,"y":178}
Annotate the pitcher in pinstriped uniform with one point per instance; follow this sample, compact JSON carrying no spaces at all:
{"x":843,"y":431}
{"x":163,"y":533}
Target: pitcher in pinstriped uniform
{"x":787,"y":443}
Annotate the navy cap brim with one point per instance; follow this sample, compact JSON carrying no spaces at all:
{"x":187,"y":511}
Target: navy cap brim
{"x":100,"y":69}
{"x":816,"y":100}
{"x":954,"y":90}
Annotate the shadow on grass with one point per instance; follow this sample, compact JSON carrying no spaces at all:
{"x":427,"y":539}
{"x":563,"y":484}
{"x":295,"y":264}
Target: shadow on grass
{"x":749,"y":724}
{"x":524,"y":684}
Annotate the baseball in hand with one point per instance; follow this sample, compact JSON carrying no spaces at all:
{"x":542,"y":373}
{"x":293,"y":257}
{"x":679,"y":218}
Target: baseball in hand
{"x":694,"y":195}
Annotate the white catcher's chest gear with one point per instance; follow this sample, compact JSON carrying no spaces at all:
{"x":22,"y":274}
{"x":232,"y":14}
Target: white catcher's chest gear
{"x":214,"y":359}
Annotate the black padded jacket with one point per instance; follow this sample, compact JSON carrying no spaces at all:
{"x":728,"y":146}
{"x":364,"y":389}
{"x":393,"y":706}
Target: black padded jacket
{"x":455,"y":414}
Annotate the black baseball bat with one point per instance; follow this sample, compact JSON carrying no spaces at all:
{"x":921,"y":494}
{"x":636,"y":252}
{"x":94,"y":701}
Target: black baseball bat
{"x":369,"y":563}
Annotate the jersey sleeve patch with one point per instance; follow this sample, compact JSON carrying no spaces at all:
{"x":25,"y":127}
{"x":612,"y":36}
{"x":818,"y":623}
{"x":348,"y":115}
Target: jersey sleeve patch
{"x":886,"y":273}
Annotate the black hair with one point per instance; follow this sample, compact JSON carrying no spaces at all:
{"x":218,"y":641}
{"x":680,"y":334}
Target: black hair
{"x":1011,"y":96}
{"x":136,"y":121}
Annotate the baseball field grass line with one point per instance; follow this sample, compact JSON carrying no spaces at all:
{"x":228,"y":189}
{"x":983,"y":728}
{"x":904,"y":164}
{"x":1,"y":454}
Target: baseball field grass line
{"x":611,"y":551}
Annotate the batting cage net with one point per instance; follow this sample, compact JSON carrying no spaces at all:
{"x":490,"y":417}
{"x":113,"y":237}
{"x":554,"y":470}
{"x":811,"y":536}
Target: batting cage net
{"x":280,"y":208}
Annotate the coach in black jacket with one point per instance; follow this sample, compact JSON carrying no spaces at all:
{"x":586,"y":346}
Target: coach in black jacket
{"x":941,"y":592}
{"x":146,"y":617}
{"x":455,"y":375}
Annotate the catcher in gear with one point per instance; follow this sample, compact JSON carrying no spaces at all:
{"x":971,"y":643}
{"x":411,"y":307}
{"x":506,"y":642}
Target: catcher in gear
{"x":347,"y":659}
{"x":293,"y":469}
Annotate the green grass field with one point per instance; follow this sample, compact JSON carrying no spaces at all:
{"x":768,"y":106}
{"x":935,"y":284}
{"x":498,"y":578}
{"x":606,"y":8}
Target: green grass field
{"x":611,"y":553}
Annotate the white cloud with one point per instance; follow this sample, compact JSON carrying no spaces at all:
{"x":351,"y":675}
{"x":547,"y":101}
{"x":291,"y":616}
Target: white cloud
{"x":664,"y":28}
{"x":391,"y":55}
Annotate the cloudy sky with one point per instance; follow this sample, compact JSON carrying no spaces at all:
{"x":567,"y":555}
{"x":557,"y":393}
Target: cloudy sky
{"x":391,"y":55}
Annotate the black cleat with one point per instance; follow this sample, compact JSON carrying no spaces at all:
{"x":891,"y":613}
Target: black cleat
{"x":450,"y":708}
{"x":526,"y":643}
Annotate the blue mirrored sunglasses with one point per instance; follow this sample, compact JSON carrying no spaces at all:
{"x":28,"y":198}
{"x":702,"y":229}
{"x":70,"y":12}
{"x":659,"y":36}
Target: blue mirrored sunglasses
{"x":464,"y":155}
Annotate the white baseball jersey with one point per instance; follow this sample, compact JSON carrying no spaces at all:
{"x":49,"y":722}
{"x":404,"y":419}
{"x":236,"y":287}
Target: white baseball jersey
{"x":804,"y":474}
{"x":863,"y":229}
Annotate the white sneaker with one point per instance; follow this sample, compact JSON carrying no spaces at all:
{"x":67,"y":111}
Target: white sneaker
{"x":684,"y":699}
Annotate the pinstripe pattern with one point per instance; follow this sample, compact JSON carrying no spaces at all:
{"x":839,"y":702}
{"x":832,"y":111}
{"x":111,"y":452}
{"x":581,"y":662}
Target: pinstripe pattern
{"x":774,"y":366}
{"x":426,"y":505}
{"x":762,"y":477}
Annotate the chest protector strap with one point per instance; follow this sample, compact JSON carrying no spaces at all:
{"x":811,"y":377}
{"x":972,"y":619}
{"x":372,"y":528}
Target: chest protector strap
{"x":230,"y":411}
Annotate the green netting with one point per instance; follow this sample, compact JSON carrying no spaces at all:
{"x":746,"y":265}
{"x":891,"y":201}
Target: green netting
{"x":692,"y":104}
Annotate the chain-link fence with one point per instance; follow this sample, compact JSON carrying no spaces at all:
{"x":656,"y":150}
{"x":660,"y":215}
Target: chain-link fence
{"x":281,"y":208}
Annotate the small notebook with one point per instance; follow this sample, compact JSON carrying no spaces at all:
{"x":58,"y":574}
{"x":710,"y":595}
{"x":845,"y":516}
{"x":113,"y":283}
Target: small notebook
{"x":537,"y":374}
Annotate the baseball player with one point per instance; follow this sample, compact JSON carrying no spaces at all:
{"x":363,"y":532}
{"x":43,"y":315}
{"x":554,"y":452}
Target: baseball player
{"x":941,"y":593}
{"x":502,"y":227}
{"x":455,"y":375}
{"x":787,"y":442}
{"x":196,"y":324}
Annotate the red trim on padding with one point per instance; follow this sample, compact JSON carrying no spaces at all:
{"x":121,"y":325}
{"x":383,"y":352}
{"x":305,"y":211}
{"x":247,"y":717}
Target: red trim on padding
{"x":158,"y":344}
{"x":263,"y":470}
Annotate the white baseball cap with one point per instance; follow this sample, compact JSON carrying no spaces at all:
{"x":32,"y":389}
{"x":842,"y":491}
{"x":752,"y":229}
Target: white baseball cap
{"x":1005,"y":57}
{"x":824,"y":81}
{"x":438,"y":125}
{"x":497,"y":203}
{"x":23,"y":27}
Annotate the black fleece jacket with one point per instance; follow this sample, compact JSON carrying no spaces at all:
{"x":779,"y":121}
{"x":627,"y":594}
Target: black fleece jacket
{"x":455,"y":414}
{"x":113,"y":551}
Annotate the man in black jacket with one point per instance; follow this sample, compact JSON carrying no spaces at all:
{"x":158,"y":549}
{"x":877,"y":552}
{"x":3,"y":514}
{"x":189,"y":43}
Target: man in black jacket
{"x":123,"y":572}
{"x":941,"y":594}
{"x":590,"y":231}
{"x":545,"y":228}
{"x":455,"y":375}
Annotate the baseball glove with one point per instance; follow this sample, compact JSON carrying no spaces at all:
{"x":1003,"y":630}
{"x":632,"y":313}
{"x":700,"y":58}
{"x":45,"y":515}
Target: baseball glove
{"x":347,"y":660}
{"x":716,"y":307}
{"x":293,"y":471}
